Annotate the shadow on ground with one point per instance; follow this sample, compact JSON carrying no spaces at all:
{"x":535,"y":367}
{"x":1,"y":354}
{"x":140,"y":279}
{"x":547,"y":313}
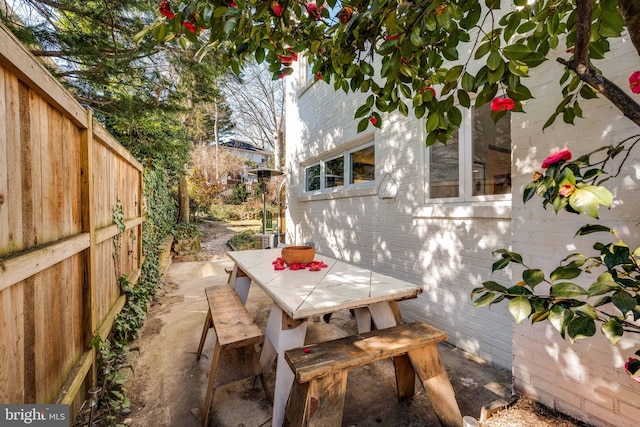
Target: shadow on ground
{"x":168,"y":385}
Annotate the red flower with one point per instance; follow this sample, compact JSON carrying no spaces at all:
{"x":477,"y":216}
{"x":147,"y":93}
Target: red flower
{"x":190,"y":26}
{"x":233,"y":5}
{"x":373,"y":120}
{"x":391,"y":37}
{"x":282,"y":75}
{"x":634,"y":82}
{"x":556,"y":157}
{"x":165,"y":9}
{"x":294,"y":267}
{"x":313,"y":10}
{"x":502,"y":104}
{"x":277,"y":8}
{"x":288,"y":59}
{"x":319,"y":76}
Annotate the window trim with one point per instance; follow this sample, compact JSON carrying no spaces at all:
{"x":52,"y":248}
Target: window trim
{"x":345,"y":152}
{"x":465,"y":172}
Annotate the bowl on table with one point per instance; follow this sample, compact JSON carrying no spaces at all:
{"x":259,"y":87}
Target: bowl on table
{"x":298,"y":254}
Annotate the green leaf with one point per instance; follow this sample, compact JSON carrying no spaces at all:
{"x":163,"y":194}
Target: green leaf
{"x":520,"y":308}
{"x":558,"y":317}
{"x":567,"y":290}
{"x":612,"y":329}
{"x":564,"y":272}
{"x":494,"y":60}
{"x":517,"y":51}
{"x":529,"y":191}
{"x":363,"y":124}
{"x":494,"y":286}
{"x":362,"y":111}
{"x":624,"y":301}
{"x":463,"y":98}
{"x":533,"y":277}
{"x":500,"y":264}
{"x":591,"y":228}
{"x":483,"y":300}
{"x":587,"y":199}
{"x":586,"y":310}
{"x":432,"y":122}
{"x":581,"y":327}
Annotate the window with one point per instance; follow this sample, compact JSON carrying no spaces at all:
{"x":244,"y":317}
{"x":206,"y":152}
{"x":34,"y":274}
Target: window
{"x":312,"y":178}
{"x":475,"y":164}
{"x":351,"y":168}
{"x":362,"y":162}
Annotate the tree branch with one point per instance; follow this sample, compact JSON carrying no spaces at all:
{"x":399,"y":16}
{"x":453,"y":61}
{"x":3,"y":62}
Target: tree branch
{"x":613,"y":93}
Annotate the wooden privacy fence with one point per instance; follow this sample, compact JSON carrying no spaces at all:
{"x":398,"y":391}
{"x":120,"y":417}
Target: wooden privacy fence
{"x":61,"y":177}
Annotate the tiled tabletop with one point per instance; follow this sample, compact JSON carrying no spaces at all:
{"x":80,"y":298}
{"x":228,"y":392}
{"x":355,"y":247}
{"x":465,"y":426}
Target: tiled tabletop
{"x":304,"y":293}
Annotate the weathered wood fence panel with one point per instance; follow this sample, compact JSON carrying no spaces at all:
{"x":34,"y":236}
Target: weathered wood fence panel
{"x":62,"y":177}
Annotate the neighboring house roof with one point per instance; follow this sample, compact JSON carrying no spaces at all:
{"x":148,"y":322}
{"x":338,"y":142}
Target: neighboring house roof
{"x":234,"y":144}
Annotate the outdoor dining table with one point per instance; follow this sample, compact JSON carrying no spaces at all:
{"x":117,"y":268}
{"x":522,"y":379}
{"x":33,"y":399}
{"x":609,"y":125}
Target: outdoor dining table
{"x":300,"y":294}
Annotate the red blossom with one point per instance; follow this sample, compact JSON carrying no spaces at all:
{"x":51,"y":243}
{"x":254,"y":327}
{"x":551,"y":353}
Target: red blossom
{"x":558,"y":156}
{"x":276,"y":8}
{"x":391,"y":37}
{"x":319,"y":76}
{"x":634,"y":82}
{"x":314,"y":10}
{"x":282,"y":75}
{"x":165,"y":9}
{"x":502,"y":104}
{"x":233,"y":5}
{"x":190,"y":26}
{"x":288,"y":59}
{"x":373,"y":120}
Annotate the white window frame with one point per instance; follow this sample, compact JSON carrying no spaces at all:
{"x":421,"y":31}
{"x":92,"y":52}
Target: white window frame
{"x":345,"y":153}
{"x":465,"y":172}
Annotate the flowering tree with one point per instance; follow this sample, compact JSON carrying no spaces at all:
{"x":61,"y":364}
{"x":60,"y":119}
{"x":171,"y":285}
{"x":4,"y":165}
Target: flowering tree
{"x":419,"y":44}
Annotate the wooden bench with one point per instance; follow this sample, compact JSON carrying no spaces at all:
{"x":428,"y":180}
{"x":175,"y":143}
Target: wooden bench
{"x":208,"y":323}
{"x":318,"y":392}
{"x":234,"y":357}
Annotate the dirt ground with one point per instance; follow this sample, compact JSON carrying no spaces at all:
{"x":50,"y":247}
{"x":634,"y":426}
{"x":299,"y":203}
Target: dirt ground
{"x":167,"y":384}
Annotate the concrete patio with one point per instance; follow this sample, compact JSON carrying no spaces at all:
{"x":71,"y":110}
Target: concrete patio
{"x":168,"y":384}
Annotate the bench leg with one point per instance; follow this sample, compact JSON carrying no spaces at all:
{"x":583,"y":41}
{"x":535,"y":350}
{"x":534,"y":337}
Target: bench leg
{"x":428,"y":366}
{"x":318,"y":403}
{"x":405,"y":377}
{"x":240,"y":283}
{"x":208,"y":323}
{"x":208,"y":400}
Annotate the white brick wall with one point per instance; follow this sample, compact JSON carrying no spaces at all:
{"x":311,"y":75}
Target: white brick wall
{"x":447,"y":249}
{"x":586,"y":379}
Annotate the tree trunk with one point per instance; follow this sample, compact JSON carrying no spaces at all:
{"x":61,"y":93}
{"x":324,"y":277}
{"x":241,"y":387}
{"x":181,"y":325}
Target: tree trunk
{"x":183,"y":196}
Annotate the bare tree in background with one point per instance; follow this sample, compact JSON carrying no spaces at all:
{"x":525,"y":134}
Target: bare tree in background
{"x":257,"y":102}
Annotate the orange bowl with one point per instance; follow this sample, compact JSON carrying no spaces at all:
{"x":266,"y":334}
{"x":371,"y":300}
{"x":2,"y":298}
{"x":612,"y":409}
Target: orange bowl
{"x":298,"y":254}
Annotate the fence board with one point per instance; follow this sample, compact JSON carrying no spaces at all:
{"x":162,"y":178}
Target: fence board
{"x":61,"y":175}
{"x":12,"y":344}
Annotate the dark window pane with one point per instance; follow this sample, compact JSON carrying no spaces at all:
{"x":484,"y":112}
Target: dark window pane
{"x":334,"y":172}
{"x":312,"y":178}
{"x":491,"y":154}
{"x":444,"y":169}
{"x":363,"y":165}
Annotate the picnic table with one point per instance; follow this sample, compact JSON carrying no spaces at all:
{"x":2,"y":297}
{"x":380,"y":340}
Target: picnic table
{"x":301,"y":294}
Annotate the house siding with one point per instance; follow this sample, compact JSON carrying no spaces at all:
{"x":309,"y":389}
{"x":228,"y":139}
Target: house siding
{"x":446,"y":248}
{"x":585,"y":379}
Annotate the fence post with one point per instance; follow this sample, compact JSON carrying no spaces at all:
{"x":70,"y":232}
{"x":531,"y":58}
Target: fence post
{"x":89,"y":226}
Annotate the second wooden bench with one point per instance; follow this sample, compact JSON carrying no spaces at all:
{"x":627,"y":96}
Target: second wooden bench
{"x":318,"y":392}
{"x":234,"y":357}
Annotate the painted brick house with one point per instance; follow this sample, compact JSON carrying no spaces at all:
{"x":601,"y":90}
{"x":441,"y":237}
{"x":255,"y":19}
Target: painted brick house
{"x":433,"y":217}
